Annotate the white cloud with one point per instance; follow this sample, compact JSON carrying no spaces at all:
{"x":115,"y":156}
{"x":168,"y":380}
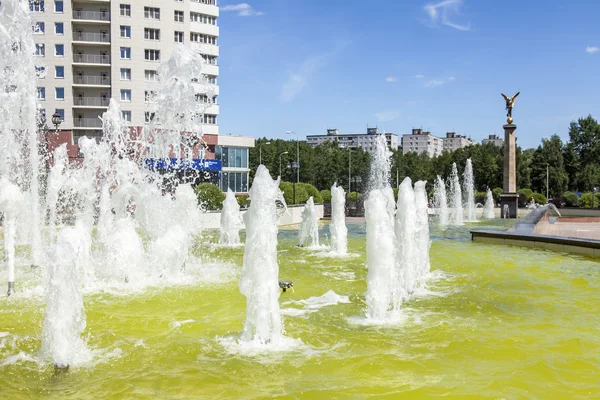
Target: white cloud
{"x":442,"y":12}
{"x":592,"y":49}
{"x":438,"y":82}
{"x":420,"y":76}
{"x":391,"y":79}
{"x":243,"y":10}
{"x":385,"y":116}
{"x":298,"y":79}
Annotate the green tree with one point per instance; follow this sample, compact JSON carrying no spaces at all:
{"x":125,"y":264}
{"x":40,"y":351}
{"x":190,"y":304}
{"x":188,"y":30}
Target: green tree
{"x":584,"y":136}
{"x":210,"y":197}
{"x":548,"y":160}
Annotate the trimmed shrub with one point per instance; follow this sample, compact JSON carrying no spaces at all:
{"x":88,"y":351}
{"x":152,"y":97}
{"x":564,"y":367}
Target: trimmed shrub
{"x":326,"y":195}
{"x":480,"y":197}
{"x":496,"y":192}
{"x":354,"y":196}
{"x":311,"y":191}
{"x":571,"y":199}
{"x":210,"y":197}
{"x":288,"y":193}
{"x":243,"y":201}
{"x":586,"y":200}
{"x":539,"y":198}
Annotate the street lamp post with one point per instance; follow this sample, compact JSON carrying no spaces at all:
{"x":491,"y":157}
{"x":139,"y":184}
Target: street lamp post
{"x":260,"y":153}
{"x":349,"y":169}
{"x":285,"y":152}
{"x":297,"y":161}
{"x":547,"y":174}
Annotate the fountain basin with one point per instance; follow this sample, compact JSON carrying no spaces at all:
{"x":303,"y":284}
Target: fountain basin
{"x":498,"y":321}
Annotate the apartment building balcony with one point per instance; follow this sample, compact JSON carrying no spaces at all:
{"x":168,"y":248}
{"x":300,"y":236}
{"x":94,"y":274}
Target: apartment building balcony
{"x":207,"y":29}
{"x":208,"y":7}
{"x":91,"y":80}
{"x":91,"y":59}
{"x":102,"y":38}
{"x":92,"y":16}
{"x":90,"y":102}
{"x":87,"y":123}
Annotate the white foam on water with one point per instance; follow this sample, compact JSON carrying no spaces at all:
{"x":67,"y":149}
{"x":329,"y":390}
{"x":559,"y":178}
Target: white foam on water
{"x":315,"y":303}
{"x":177,"y":324}
{"x":254,"y":348}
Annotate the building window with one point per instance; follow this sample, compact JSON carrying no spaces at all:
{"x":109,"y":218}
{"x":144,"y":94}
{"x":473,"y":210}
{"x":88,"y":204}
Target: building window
{"x":59,"y":50}
{"x":39,"y":28}
{"x":40,"y":50}
{"x":41,"y":93}
{"x":59,"y":71}
{"x":151,"y":13}
{"x":201,"y":38}
{"x":149,"y":116}
{"x":61,"y":112}
{"x":150,"y":96}
{"x":60,"y":93}
{"x":40,"y":72}
{"x":59,"y":6}
{"x":125,"y":53}
{"x":211,"y":60}
{"x":150,"y":76}
{"x":125,"y":10}
{"x":178,"y":16}
{"x":125,"y":74}
{"x":178,"y":37}
{"x":151,"y":34}
{"x":212,"y":79}
{"x":236,"y":181}
{"x":126,"y":116}
{"x":203,"y":18}
{"x":125,"y":94}
{"x":209,"y":119}
{"x":232,"y":157}
{"x":59,"y":28}
{"x":126,"y":31}
{"x":36,"y":5}
{"x":152,"y":55}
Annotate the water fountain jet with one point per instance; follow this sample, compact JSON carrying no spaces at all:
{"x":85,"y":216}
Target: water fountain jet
{"x":440,"y":201}
{"x":309,"y":226}
{"x":337,"y":227}
{"x":488,"y":208}
{"x":231,"y":221}
{"x":469,"y":192}
{"x":456,"y":209}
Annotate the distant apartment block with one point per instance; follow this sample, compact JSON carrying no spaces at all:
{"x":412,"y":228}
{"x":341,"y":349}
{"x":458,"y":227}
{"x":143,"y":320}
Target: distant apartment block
{"x":420,"y":142}
{"x":354,"y":140}
{"x":494,"y":139}
{"x":452,"y":141}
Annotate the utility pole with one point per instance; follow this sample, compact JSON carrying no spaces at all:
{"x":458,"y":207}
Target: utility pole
{"x":547,"y":179}
{"x":349,"y":168}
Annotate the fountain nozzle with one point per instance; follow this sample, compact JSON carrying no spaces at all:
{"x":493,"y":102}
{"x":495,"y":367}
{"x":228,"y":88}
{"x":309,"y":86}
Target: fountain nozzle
{"x":61,"y":368}
{"x":11,"y":288}
{"x":286,"y":285}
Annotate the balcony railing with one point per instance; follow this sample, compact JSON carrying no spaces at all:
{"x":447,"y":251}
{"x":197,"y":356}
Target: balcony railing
{"x":91,"y":58}
{"x":87,"y":122}
{"x":91,"y":37}
{"x":92,"y":15}
{"x":91,"y":80}
{"x":90,"y":101}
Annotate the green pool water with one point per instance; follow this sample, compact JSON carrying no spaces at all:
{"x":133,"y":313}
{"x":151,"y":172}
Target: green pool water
{"x":499,"y":322}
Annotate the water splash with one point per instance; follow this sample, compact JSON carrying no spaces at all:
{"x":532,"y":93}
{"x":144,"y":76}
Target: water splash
{"x":260,"y":272}
{"x":469,"y":192}
{"x":488,"y":208}
{"x":308,"y":235}
{"x":423,"y":242}
{"x":338,"y":229}
{"x":405,"y":276}
{"x":440,"y":201}
{"x":456,"y":209}
{"x":231,"y":221}
{"x":10,"y":199}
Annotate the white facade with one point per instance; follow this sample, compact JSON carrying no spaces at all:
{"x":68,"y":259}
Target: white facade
{"x":494,"y":139}
{"x":94,"y":50}
{"x":422,"y":142}
{"x":354,"y":140}
{"x":452,"y":141}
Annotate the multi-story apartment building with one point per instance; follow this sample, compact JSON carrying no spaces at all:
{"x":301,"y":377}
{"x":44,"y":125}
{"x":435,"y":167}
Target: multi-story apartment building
{"x":495,"y":139}
{"x":354,"y":140}
{"x":452,"y":141}
{"x":420,"y":141}
{"x":95,"y":50}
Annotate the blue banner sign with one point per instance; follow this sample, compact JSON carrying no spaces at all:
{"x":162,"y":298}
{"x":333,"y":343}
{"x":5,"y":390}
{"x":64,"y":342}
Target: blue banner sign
{"x":182,"y":164}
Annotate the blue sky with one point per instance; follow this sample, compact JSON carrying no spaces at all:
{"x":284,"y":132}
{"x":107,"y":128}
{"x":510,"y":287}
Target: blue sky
{"x":309,"y":65}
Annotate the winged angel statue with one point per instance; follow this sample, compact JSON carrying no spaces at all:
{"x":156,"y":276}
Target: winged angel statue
{"x":510,"y":101}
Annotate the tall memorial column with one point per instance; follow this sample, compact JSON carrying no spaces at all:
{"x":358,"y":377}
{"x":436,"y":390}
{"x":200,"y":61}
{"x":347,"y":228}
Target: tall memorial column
{"x":509,"y":199}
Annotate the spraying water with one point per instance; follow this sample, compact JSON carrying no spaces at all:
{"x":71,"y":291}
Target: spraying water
{"x":231,"y":221}
{"x":440,"y":201}
{"x":488,"y":208}
{"x":65,"y":315}
{"x":423,"y":242}
{"x":19,"y":156}
{"x":379,"y":213}
{"x":309,"y":227}
{"x":405,"y":276}
{"x":469,"y":192}
{"x":456,"y":209}
{"x":505,"y":211}
{"x":339,"y":232}
{"x":10,"y":198}
{"x":260,"y":272}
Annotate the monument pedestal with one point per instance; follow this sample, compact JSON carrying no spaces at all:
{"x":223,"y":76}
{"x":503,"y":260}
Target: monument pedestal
{"x":509,"y":205}
{"x":509,"y":197}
